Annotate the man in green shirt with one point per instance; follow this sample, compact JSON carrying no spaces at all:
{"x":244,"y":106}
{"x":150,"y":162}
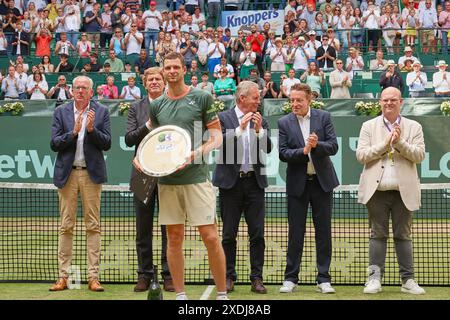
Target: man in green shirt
{"x":115,"y":63}
{"x":188,"y":194}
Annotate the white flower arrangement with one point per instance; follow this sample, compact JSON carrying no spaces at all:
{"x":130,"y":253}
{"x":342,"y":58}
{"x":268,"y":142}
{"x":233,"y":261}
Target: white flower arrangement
{"x":217,"y":106}
{"x":368,"y":108}
{"x":15,"y":108}
{"x":124,"y":107}
{"x":445,"y":108}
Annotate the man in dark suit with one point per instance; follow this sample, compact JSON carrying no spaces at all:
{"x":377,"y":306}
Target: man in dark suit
{"x":80,"y":134}
{"x":241,"y":179}
{"x":326,"y":54}
{"x":306,"y":142}
{"x":21,"y":41}
{"x":138,"y":126}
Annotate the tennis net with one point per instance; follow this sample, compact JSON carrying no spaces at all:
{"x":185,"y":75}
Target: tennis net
{"x":29,"y":220}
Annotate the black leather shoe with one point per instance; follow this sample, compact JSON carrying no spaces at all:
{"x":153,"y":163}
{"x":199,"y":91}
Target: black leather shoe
{"x":258,"y":286}
{"x":230,"y":285}
{"x":142,"y":284}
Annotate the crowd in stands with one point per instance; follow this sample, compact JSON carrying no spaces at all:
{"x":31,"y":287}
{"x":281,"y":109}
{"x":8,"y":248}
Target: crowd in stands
{"x":321,"y":39}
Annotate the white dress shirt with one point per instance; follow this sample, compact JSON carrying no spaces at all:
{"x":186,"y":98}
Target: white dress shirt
{"x":389,"y":180}
{"x":79,"y":153}
{"x":440,"y":84}
{"x":304,"y":123}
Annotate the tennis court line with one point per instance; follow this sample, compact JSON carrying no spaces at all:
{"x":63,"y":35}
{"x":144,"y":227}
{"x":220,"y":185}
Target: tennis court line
{"x":207,"y":293}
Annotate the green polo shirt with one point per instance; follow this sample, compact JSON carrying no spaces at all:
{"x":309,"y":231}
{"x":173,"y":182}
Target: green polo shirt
{"x":192,"y":113}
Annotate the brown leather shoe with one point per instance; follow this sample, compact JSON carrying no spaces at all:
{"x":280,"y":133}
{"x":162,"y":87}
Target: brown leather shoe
{"x":142,"y":285}
{"x":94,"y":285}
{"x":230,"y":285}
{"x":168,"y":285}
{"x":59,"y":285}
{"x":258,"y":286}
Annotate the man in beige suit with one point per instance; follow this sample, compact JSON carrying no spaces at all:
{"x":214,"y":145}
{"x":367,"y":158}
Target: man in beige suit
{"x":390,"y":147}
{"x":340,"y":82}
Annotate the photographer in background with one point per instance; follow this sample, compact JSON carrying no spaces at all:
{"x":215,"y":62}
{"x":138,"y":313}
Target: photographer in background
{"x":61,"y":91}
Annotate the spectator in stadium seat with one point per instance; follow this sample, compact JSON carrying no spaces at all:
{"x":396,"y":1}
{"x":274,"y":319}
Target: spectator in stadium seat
{"x":194,"y":81}
{"x":257,"y":41}
{"x":188,"y":49}
{"x":314,"y":78}
{"x":64,"y":46}
{"x":47,"y":64}
{"x":115,"y":63}
{"x":84,"y":46}
{"x":93,"y":24}
{"x":378,"y":63}
{"x":441,"y":80}
{"x":287,"y":83}
{"x":199,"y":18}
{"x":106,"y":30}
{"x":80,"y":133}
{"x":206,"y":85}
{"x":43,"y":40}
{"x":254,"y":77}
{"x":241,"y":180}
{"x":93,"y":62}
{"x":3,"y":44}
{"x":270,"y":90}
{"x":153,"y":21}
{"x":416,"y":81}
{"x":408,"y":55}
{"x":247,"y":61}
{"x":110,"y":90}
{"x":312,"y":45}
{"x":428,"y":20}
{"x":38,"y":87}
{"x":127,"y":19}
{"x":23,"y":79}
{"x":371,"y":18}
{"x":64,"y":64}
{"x":357,"y":26}
{"x":20,"y":41}
{"x":133,"y":42}
{"x":407,"y":65}
{"x":278,"y":56}
{"x":170,"y":23}
{"x":390,"y":147}
{"x":224,"y":87}
{"x":224,"y":64}
{"x":72,"y":21}
{"x":142,"y":63}
{"x":326,"y":54}
{"x":301,"y":55}
{"x":354,"y":62}
{"x":60,"y":92}
{"x":117,"y":42}
{"x":11,"y":85}
{"x":216,"y":50}
{"x":389,"y":20}
{"x":311,"y":180}
{"x":340,"y":82}
{"x":130,"y":91}
{"x":444,"y":22}
{"x":391,"y":77}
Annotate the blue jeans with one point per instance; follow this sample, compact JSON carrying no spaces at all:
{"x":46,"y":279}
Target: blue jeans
{"x":151,"y":36}
{"x":72,"y":36}
{"x":444,"y":42}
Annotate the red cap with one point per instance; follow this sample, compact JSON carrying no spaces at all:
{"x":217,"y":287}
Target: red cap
{"x":153,"y":3}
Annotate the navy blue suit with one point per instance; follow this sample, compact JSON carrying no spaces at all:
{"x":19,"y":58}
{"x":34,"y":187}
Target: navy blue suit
{"x":65,"y":143}
{"x":303,"y":190}
{"x":238,"y":194}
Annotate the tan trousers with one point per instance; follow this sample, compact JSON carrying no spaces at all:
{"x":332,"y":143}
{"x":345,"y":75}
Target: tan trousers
{"x":79,"y":182}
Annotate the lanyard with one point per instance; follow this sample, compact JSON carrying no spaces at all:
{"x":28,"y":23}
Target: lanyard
{"x":391,"y":152}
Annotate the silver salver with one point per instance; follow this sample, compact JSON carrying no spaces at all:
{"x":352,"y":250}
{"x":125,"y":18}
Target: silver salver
{"x":164,"y":150}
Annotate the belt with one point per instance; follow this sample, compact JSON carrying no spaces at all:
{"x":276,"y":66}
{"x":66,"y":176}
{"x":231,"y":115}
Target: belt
{"x":243,"y":174}
{"x":78,"y":168}
{"x":310,"y":177}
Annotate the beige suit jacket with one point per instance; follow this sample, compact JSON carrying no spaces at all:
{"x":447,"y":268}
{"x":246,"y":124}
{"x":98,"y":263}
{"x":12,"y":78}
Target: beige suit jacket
{"x":339,"y":90}
{"x":372,"y":153}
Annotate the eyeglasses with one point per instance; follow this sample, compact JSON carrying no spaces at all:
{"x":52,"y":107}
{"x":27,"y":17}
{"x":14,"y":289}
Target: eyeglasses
{"x":116,"y":31}
{"x":338,"y":62}
{"x":133,"y":26}
{"x":80,"y":88}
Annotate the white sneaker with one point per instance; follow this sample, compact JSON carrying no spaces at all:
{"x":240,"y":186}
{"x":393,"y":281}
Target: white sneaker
{"x":222,"y":297}
{"x":325,"y":287}
{"x":288,"y":287}
{"x":181,"y":297}
{"x":412,"y":287}
{"x":372,"y":286}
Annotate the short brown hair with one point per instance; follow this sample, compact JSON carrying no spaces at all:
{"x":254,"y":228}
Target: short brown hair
{"x":302,"y":87}
{"x":152,"y":70}
{"x":174,"y":56}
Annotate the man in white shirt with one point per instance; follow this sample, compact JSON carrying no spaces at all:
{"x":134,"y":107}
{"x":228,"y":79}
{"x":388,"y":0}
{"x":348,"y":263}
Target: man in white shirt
{"x":340,"y":82}
{"x":378,"y":64}
{"x":72,"y":21}
{"x":428,"y":21}
{"x":131,"y":91}
{"x":312,"y":45}
{"x":190,"y":27}
{"x":408,"y":55}
{"x":288,"y":83}
{"x":133,"y":42}
{"x":416,"y":81}
{"x":441,"y":80}
{"x":354,"y":62}
{"x":371,"y":18}
{"x":300,"y":56}
{"x":153,"y":20}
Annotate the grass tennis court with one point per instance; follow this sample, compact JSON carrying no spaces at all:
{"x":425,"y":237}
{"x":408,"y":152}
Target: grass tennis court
{"x":33,"y":291}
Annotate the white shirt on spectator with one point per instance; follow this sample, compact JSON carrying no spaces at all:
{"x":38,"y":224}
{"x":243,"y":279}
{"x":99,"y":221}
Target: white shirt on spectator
{"x":216,"y":52}
{"x":440,"y":85}
{"x":373,"y":20}
{"x":133,"y":45}
{"x":416,"y":85}
{"x":37,"y":94}
{"x":152,"y":22}
{"x":288,"y":83}
{"x":73,"y":21}
{"x":300,"y":60}
{"x":127,"y":90}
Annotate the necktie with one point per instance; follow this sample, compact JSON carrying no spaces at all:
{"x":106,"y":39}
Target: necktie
{"x":246,"y":163}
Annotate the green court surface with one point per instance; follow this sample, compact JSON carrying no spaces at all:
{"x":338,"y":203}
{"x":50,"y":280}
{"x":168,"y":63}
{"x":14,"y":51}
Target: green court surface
{"x":32,"y":291}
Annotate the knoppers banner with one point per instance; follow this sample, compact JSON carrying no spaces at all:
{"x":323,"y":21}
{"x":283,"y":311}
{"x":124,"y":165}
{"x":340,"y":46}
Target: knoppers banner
{"x":236,"y":20}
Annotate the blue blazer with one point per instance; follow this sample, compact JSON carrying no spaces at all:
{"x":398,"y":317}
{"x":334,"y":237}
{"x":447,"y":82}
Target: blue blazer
{"x":94,"y":143}
{"x":227,"y":169}
{"x":291,"y":144}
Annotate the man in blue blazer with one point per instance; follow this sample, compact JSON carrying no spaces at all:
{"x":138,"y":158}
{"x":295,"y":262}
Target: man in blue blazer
{"x":241,"y":179}
{"x":306,"y":142}
{"x":80,"y":134}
